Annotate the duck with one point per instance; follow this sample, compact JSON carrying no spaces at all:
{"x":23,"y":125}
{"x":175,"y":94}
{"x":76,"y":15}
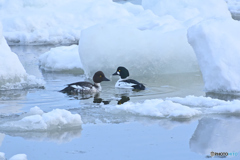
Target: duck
{"x":86,"y":87}
{"x":125,"y":82}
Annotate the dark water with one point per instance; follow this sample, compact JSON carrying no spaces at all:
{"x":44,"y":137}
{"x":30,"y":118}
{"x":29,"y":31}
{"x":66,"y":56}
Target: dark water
{"x":106,"y":135}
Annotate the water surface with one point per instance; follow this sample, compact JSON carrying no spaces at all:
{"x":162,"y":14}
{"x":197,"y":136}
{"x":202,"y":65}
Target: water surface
{"x":106,"y":135}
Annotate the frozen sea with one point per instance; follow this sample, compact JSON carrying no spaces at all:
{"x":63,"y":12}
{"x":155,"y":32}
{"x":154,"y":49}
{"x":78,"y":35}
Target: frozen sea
{"x":107,"y":134}
{"x":185,"y":52}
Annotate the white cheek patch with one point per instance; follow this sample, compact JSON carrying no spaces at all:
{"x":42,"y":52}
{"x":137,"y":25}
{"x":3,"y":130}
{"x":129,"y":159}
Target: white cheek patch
{"x":118,"y":73}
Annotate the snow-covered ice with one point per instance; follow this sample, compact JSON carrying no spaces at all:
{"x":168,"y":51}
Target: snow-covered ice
{"x":37,"y":120}
{"x":216,"y":44}
{"x":12,"y":73}
{"x":160,"y":36}
{"x":19,"y":157}
{"x":65,"y":58}
{"x":2,"y":156}
{"x":15,"y":157}
{"x":234,"y":8}
{"x":177,"y":107}
{"x":155,"y":108}
{"x":54,"y":22}
{"x":185,"y":10}
{"x":197,"y":101}
{"x":112,"y":49}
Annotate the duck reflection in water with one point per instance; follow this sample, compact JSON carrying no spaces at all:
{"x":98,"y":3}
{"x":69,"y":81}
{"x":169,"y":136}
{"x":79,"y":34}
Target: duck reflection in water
{"x":123,"y":99}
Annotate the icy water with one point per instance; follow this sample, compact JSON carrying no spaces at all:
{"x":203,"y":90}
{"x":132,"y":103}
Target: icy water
{"x":111,"y":136}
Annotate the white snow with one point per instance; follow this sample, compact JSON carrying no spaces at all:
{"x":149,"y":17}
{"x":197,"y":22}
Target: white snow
{"x":155,"y":108}
{"x":216,"y":44}
{"x":65,"y":58}
{"x":2,"y":156}
{"x":160,"y":36}
{"x":19,"y":157}
{"x":197,"y":101}
{"x":12,"y":73}
{"x":177,"y":107}
{"x":231,"y":107}
{"x":112,"y":49}
{"x":37,"y":120}
{"x":234,"y":8}
{"x":112,"y":34}
{"x":15,"y":157}
{"x":54,"y":22}
{"x":185,"y":10}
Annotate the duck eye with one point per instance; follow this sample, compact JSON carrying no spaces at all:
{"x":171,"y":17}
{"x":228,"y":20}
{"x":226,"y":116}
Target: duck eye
{"x":119,"y":70}
{"x":100,"y":76}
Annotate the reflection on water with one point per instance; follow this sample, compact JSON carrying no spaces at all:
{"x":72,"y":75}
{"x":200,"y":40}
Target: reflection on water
{"x":9,"y":101}
{"x":223,"y":96}
{"x":123,"y":99}
{"x":216,"y":134}
{"x":28,"y":55}
{"x":57,"y":136}
{"x":212,"y":134}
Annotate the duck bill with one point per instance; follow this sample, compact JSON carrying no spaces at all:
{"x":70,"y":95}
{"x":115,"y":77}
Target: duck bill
{"x":105,"y":79}
{"x":115,"y":73}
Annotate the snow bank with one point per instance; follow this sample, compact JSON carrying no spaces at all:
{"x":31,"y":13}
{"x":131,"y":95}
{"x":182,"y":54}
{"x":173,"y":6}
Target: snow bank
{"x":155,"y":108}
{"x":37,"y":120}
{"x":216,"y":44}
{"x":12,"y":73}
{"x":64,"y":58}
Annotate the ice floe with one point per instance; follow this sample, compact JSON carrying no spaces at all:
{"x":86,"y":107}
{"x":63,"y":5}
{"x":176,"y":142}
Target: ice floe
{"x":177,"y":107}
{"x":37,"y":120}
{"x":197,"y":101}
{"x":216,"y":44}
{"x":19,"y":157}
{"x":155,"y":108}
{"x":15,"y":157}
{"x":65,"y":58}
{"x":12,"y":73}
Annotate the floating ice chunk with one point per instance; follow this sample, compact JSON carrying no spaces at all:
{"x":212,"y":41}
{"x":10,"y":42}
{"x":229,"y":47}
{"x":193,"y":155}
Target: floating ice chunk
{"x":63,"y":26}
{"x":230,"y":107}
{"x":35,"y":111}
{"x":197,"y":101}
{"x":214,"y":105}
{"x":36,"y":120}
{"x":128,"y":46}
{"x":216,"y":44}
{"x":19,"y":157}
{"x":155,"y":108}
{"x":234,"y":8}
{"x":185,"y":10}
{"x":2,"y":156}
{"x":64,"y":58}
{"x":12,"y":73}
